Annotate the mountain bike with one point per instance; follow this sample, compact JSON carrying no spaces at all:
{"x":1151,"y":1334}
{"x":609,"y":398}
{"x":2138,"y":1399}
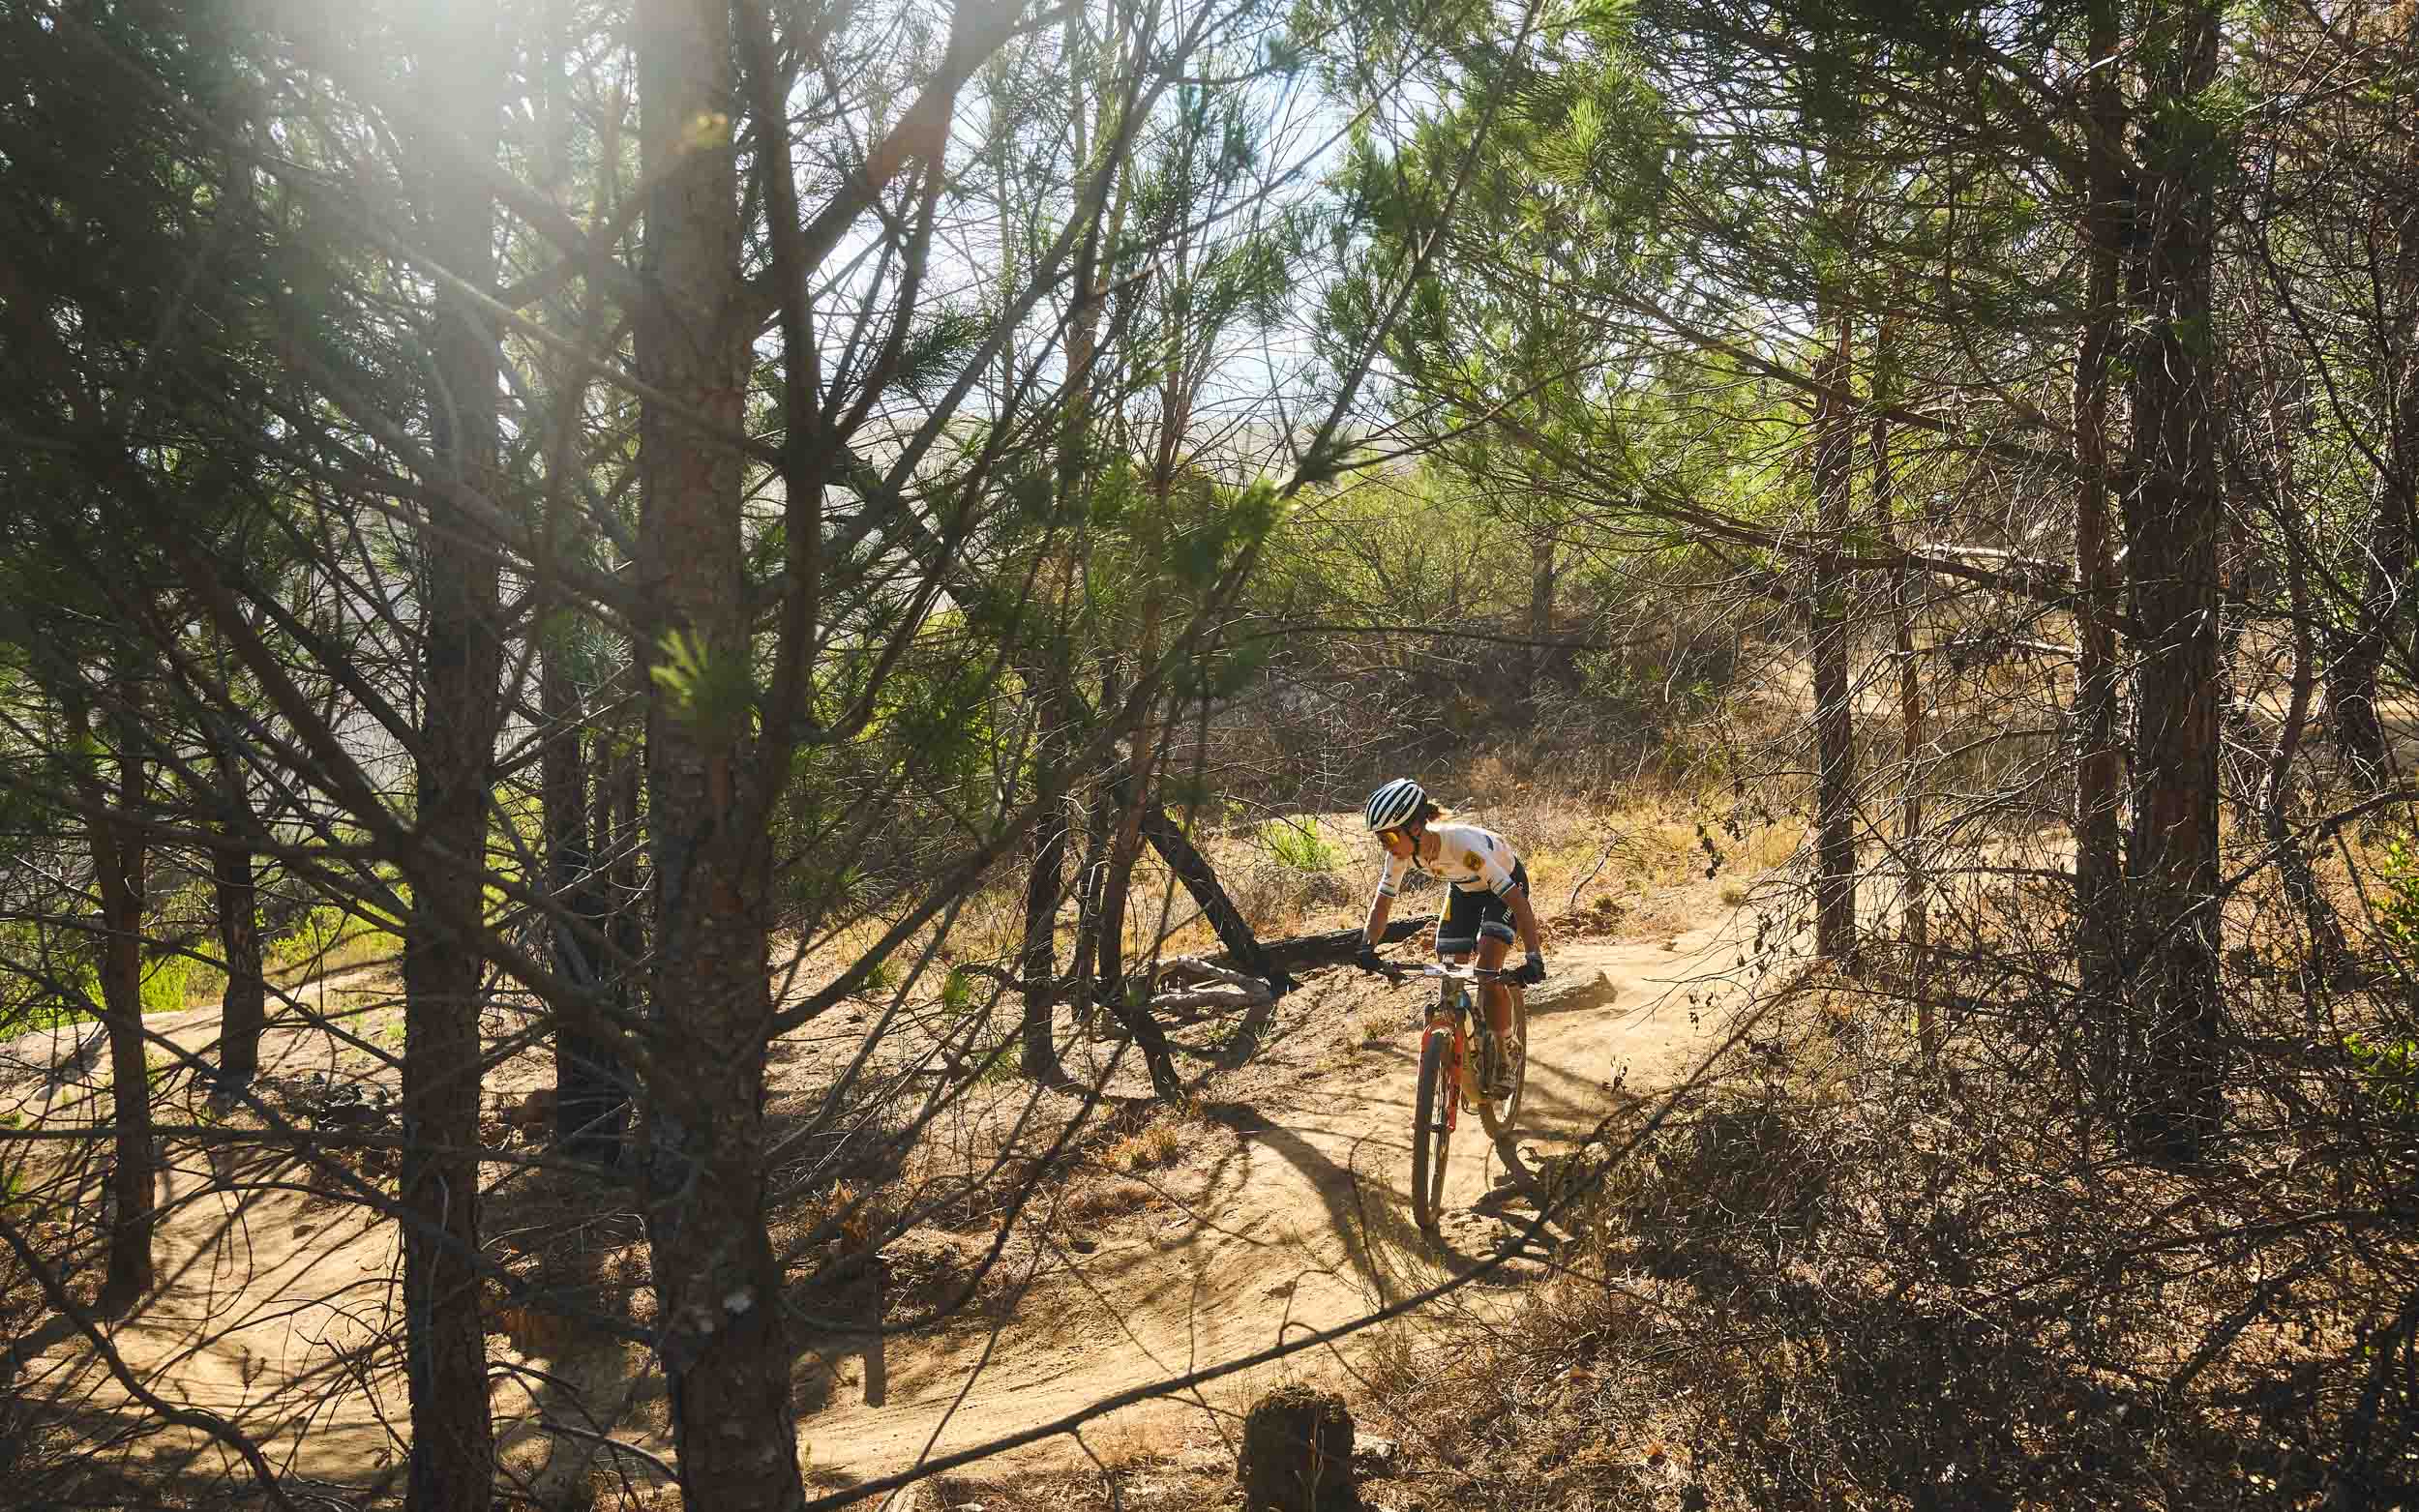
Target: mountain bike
{"x":1453,"y":1050}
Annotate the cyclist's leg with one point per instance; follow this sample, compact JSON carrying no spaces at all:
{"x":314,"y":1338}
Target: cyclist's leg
{"x":1492,"y":949}
{"x":1494,"y":942}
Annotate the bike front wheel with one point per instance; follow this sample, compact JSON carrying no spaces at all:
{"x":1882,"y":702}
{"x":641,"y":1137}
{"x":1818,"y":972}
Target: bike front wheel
{"x":1498,"y":1113}
{"x":1431,"y":1129}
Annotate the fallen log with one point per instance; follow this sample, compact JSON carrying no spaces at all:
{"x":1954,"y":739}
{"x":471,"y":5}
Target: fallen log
{"x":1334,"y":948}
{"x":1301,"y":952}
{"x":1189,"y":982}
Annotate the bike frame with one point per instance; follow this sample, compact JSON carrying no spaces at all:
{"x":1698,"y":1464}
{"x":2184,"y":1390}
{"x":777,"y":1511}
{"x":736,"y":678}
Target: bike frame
{"x":1456,"y":1001}
{"x":1444,"y":1077}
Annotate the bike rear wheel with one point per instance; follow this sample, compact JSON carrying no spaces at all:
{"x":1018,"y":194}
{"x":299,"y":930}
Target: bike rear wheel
{"x":1431,"y":1128}
{"x":1498,"y":1113}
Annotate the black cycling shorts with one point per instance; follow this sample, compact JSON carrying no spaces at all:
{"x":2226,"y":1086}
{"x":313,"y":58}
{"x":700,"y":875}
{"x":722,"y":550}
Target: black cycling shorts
{"x":1470,"y":916}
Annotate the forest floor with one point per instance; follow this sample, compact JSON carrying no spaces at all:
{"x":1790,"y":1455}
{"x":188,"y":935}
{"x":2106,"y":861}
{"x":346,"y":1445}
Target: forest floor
{"x":1271,"y":1207}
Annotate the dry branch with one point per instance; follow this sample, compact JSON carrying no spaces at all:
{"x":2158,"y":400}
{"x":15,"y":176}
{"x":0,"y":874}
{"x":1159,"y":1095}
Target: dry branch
{"x":1191,"y":982}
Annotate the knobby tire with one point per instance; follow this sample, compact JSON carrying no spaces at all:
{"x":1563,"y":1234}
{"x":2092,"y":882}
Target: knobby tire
{"x":1430,"y":1129}
{"x":1498,"y":1116}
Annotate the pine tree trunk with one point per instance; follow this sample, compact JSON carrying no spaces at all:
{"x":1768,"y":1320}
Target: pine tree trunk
{"x":1090,"y":877}
{"x":2174,"y":519}
{"x":2362,"y":648}
{"x":1835,"y":724}
{"x":588,"y":1089}
{"x":1045,"y":889}
{"x":2383,"y":617}
{"x":624,"y":902}
{"x":1129,"y":1008}
{"x":1102,"y":947}
{"x":1037,"y":969}
{"x":721,"y":1335}
{"x":1915,"y":908}
{"x":453,"y":1447}
{"x":1133,"y":1011}
{"x":1117,"y":871}
{"x":1130,"y":793}
{"x":2099,"y":766}
{"x":244,"y":1008}
{"x":118,"y":865}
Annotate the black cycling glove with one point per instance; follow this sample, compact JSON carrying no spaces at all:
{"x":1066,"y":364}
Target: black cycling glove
{"x":1532,"y":971}
{"x":1368,"y":959}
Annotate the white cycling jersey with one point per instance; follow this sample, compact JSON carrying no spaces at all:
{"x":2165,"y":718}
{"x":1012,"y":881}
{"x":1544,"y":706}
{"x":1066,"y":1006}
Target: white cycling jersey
{"x":1470,"y":858}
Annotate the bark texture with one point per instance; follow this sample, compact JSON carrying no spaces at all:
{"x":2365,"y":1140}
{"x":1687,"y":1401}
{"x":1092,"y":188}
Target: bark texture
{"x":452,"y":1446}
{"x":721,"y":1338}
{"x":2099,"y":763}
{"x":236,"y":893}
{"x":1297,"y":1452}
{"x":2174,"y":519}
{"x":1338,"y":946}
{"x":2380,"y":620}
{"x":1834,"y":718}
{"x":1151,"y":824}
{"x":1045,"y":890}
{"x":1543,"y":572}
{"x":118,"y":865}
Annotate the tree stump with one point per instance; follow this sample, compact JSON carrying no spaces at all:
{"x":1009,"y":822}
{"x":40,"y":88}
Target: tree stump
{"x":1298,"y":1453}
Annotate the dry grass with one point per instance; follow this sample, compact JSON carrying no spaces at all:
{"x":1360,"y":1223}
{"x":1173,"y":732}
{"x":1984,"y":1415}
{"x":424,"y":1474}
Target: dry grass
{"x":1389,"y":1366}
{"x":1100,"y":1201}
{"x":851,"y":1217}
{"x":1125,"y":1444}
{"x":1157,"y":1144}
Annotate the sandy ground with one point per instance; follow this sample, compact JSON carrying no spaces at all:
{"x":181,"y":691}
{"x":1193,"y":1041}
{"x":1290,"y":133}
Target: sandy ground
{"x":1284,"y":1215}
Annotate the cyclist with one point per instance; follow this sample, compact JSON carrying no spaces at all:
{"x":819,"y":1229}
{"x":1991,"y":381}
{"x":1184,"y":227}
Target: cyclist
{"x":1489,"y":895}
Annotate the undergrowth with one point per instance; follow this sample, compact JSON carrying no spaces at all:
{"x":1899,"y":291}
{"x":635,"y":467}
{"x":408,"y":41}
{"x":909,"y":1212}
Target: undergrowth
{"x":1842,"y":1280}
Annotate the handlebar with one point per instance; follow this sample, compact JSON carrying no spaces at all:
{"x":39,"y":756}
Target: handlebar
{"x":1396,"y":972}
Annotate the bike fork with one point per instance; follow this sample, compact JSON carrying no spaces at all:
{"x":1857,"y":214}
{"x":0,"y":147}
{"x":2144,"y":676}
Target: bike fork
{"x":1456,"y":1064}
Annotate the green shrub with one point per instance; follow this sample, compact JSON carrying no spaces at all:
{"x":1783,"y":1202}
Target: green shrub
{"x":1300,"y":846}
{"x":2389,"y":1071}
{"x":1000,"y":1066}
{"x":2386,"y":1060}
{"x":163,"y":984}
{"x":957,"y":990}
{"x":328,"y":937}
{"x":166,"y":982}
{"x":2398,"y":908}
{"x":880,"y":977}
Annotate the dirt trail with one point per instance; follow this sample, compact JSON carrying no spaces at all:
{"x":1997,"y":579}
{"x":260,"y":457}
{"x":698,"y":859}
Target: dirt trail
{"x":268,"y":1292}
{"x":1305,"y":1226}
{"x":46,"y":1069}
{"x":1296,"y":1219}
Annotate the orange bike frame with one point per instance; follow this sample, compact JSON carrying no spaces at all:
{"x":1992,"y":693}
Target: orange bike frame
{"x":1445,"y":1021}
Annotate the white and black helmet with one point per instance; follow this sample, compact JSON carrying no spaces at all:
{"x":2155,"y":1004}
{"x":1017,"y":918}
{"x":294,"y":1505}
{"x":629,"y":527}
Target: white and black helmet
{"x":1394,"y":804}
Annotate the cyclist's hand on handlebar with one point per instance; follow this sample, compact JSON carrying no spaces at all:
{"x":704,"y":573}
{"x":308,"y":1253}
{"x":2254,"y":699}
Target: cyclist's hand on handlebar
{"x":1532,"y":971}
{"x":1368,"y":959}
